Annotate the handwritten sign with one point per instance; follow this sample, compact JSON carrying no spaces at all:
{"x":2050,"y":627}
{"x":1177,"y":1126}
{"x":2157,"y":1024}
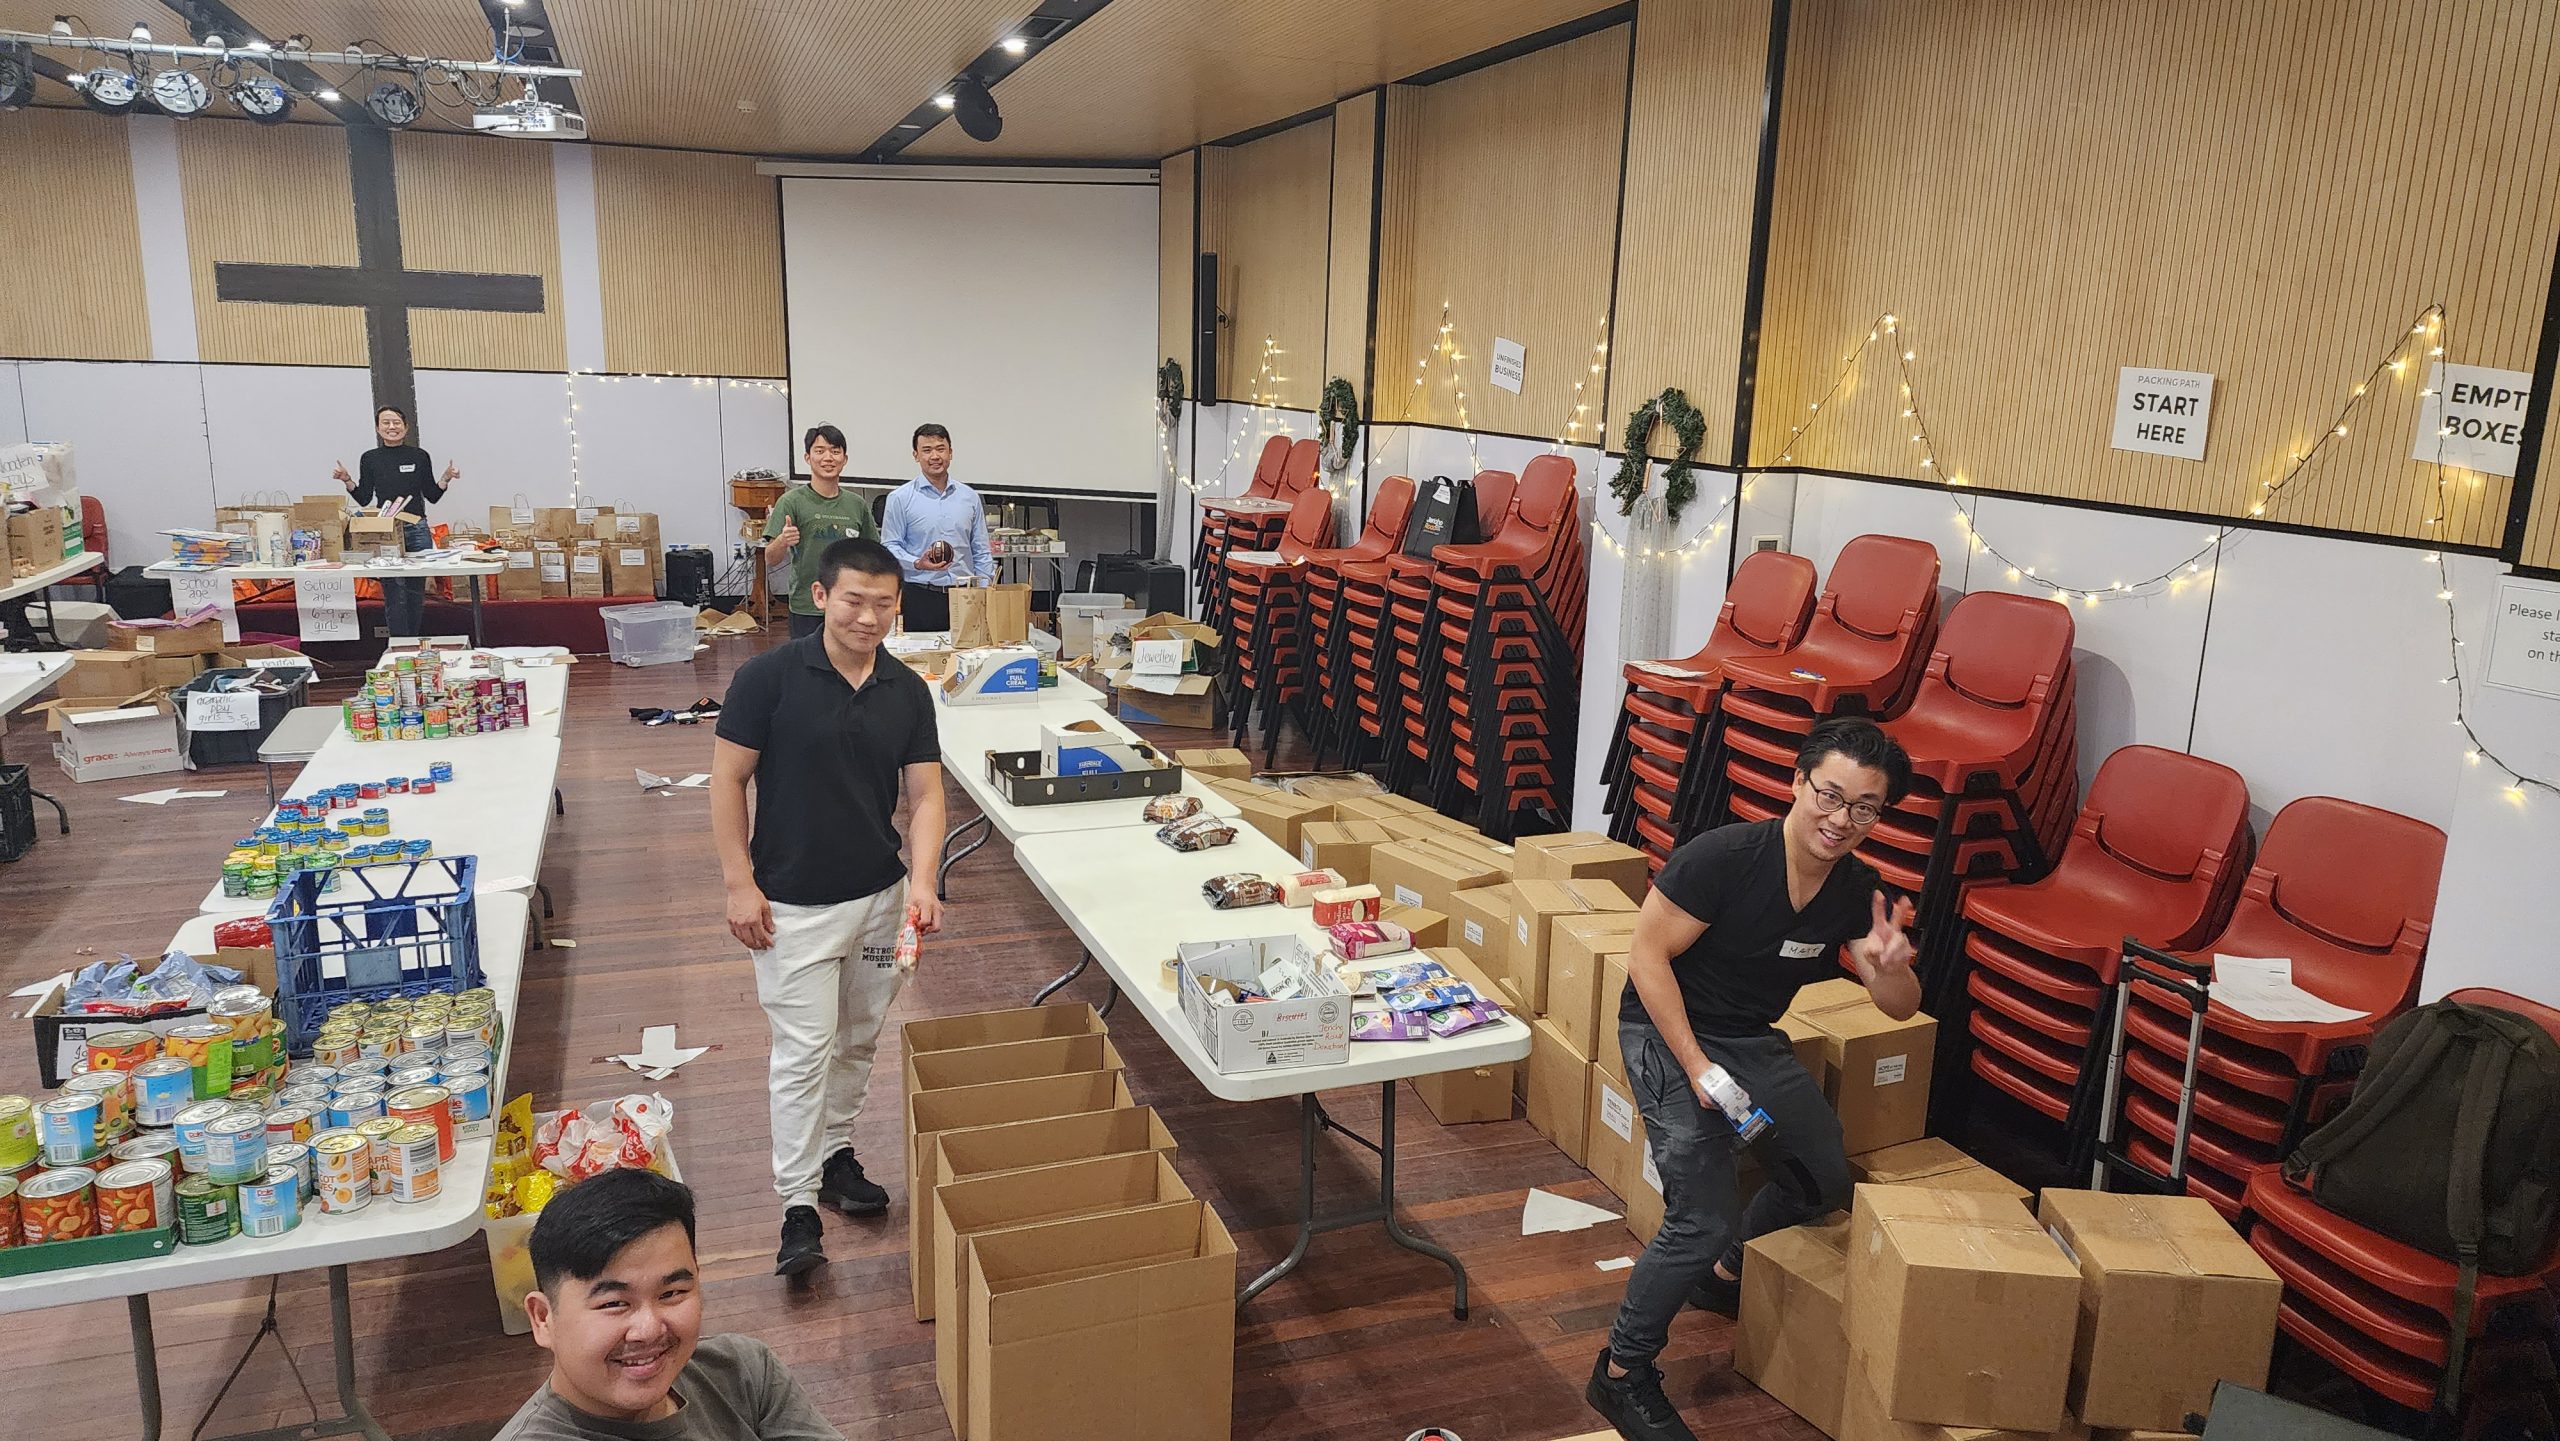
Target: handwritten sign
{"x":2163,"y":412}
{"x":190,"y":593}
{"x":222,"y":711}
{"x":326,"y":605}
{"x":1510,"y":364}
{"x":2524,"y":646}
{"x":2473,"y":417}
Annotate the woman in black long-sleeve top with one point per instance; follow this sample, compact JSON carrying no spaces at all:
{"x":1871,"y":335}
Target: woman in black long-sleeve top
{"x":398,"y":475}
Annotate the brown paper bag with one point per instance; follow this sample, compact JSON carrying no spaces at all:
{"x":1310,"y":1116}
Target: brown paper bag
{"x":518,"y":516}
{"x":596,"y":522}
{"x":555,"y":523}
{"x":586,"y":568}
{"x":551,"y":559}
{"x":640,"y":528}
{"x":521,"y":580}
{"x":627,"y":562}
{"x":990,"y":615}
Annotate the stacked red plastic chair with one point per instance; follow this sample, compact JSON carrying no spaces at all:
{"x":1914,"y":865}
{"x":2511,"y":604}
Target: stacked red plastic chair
{"x":2157,"y":853}
{"x":1250,"y":521}
{"x":1493,"y":634}
{"x":1667,"y":725}
{"x":2344,"y":891}
{"x":2381,"y":1311}
{"x":1265,"y":613}
{"x":1324,"y":693}
{"x":1381,"y":668}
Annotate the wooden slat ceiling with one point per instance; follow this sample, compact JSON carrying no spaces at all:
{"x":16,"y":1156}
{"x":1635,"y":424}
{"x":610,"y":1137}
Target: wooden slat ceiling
{"x":1144,"y":78}
{"x":1141,"y":79}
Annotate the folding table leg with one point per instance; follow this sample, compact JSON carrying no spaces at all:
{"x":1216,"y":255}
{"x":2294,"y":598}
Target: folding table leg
{"x":352,"y":1418}
{"x":950,"y":857}
{"x":1083,"y":959}
{"x":146,"y":1363}
{"x":1312,"y":1119}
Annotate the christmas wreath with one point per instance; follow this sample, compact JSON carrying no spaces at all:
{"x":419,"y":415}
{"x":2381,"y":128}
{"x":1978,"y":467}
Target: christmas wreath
{"x":1338,"y":422}
{"x":1677,"y":485}
{"x":1169,"y":391}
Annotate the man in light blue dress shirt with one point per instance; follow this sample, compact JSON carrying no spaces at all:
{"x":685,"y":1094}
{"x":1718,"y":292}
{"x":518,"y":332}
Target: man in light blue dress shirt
{"x":937,"y":528}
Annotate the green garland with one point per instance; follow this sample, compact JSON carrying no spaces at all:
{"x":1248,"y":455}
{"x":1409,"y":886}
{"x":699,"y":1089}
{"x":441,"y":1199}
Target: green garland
{"x":1338,"y":411}
{"x":1677,"y":485}
{"x":1169,"y":390}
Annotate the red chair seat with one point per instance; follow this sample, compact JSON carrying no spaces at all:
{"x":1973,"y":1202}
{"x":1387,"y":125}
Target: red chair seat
{"x":2024,"y":1085}
{"x":2202,"y":1180}
{"x":2399,"y":1268}
{"x":2055,"y":1062}
{"x":2031,"y":1008}
{"x":2061,"y":980}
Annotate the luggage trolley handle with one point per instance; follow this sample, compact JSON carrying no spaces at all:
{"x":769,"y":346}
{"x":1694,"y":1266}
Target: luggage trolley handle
{"x":2189,"y":979}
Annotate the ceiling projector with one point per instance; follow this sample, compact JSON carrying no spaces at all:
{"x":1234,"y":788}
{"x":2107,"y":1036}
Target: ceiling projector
{"x":531,"y":116}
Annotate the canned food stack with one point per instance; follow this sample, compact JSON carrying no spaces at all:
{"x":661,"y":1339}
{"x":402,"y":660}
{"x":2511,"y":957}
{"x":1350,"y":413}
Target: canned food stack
{"x":412,"y":697}
{"x":327,"y":832}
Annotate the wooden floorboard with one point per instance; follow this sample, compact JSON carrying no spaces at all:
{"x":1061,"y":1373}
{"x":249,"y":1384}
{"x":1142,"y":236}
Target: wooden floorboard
{"x":1359,"y":1343}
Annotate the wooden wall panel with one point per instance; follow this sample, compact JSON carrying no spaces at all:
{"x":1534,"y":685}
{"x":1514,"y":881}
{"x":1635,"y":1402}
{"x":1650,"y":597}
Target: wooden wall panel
{"x":87,"y":306}
{"x":1693,"y":152}
{"x":1503,"y":193}
{"x":1265,"y":212}
{"x":690,"y":249}
{"x":2541,"y":548}
{"x":2270,"y":192}
{"x":473,"y":205}
{"x":1346,"y":326}
{"x":1174,"y":268}
{"x":277,"y":194}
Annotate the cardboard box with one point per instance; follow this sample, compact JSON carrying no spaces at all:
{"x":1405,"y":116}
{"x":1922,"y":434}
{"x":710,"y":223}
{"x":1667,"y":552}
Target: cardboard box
{"x":1280,"y":815}
{"x":1961,"y":1310}
{"x":1165,"y":625}
{"x":1193,"y":703}
{"x":62,"y":1041}
{"x":994,"y":1028}
{"x":140,"y":739}
{"x":1311,"y":1030}
{"x":1610,"y":1056}
{"x":1087,"y":748}
{"x":202,"y":638}
{"x":1226,"y":762}
{"x":1612,"y":1134}
{"x":1539,"y":902}
{"x":373,"y":534}
{"x":1483,"y":917}
{"x":1876,"y":1071}
{"x":2173,"y":1302}
{"x":1581,"y":950}
{"x":1862,"y":1418}
{"x":1472,"y":1093}
{"x":1559,"y":1090}
{"x":963,"y":1211}
{"x":1583,"y":856}
{"x":1374,"y":809}
{"x":1482,"y":850}
{"x":1824,"y":995}
{"x":1790,"y":1338}
{"x":1340,"y":846}
{"x":241,"y":657}
{"x":993,"y":675}
{"x":930,"y":1113}
{"x":1049,"y":1141}
{"x":1010,"y":1061}
{"x":1935,"y":1164}
{"x":35,"y":539}
{"x":1119,"y":1325}
{"x":1424,"y":873}
{"x":1429,"y":927}
{"x":1810,"y":1043}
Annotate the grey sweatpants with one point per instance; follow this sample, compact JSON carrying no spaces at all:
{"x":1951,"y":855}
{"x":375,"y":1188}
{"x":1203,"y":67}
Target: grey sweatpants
{"x":1693,"y":1147}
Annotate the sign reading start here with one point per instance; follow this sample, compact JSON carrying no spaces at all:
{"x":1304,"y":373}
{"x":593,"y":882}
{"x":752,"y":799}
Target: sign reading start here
{"x":2163,"y":412}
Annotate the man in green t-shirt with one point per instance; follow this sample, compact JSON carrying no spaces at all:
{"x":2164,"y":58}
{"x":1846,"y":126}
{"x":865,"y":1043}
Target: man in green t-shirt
{"x":812,"y":517}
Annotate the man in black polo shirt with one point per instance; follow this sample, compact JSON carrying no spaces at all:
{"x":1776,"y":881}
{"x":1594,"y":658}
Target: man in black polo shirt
{"x":1738,"y":920}
{"x":831,"y":729}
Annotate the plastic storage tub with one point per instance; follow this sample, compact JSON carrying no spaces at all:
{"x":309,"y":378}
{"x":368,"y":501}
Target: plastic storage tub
{"x":654,"y":633}
{"x":239,"y":748}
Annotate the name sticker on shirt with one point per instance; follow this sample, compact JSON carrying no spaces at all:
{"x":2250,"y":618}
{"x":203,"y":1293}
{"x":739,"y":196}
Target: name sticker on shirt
{"x":1800,"y":950}
{"x":412,"y":465}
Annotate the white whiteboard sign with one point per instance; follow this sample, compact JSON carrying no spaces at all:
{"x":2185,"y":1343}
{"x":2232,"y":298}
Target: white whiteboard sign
{"x":2524,"y":642}
{"x":2163,"y":412}
{"x":2474,"y":419}
{"x":1510,"y":364}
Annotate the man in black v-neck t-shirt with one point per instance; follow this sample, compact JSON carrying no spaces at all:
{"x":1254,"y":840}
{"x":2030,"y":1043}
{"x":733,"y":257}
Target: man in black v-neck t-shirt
{"x":1739,"y":919}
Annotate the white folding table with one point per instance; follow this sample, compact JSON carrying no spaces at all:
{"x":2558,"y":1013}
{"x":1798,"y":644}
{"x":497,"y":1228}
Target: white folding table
{"x":44,"y":581}
{"x":23,"y":677}
{"x":1131,"y":900}
{"x":473,"y":570}
{"x":382,"y":1229}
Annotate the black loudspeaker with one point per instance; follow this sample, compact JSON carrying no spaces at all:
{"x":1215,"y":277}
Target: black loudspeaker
{"x":1204,"y":332}
{"x":974,"y":106}
{"x":689,"y":574}
{"x":1151,"y":585}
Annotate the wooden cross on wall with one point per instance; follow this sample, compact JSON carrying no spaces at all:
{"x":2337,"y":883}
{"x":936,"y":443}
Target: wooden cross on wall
{"x":378,"y":282}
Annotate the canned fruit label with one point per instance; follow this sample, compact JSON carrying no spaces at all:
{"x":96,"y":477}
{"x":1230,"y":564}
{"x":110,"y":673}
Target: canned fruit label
{"x":67,"y":1130}
{"x":415,"y":1169}
{"x":272,"y":1204}
{"x":136,"y":1196}
{"x":58,"y":1205}
{"x":235,"y":1147}
{"x":162,"y":1089}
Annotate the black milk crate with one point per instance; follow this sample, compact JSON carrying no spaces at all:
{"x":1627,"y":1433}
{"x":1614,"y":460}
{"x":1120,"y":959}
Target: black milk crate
{"x":1016,"y":775}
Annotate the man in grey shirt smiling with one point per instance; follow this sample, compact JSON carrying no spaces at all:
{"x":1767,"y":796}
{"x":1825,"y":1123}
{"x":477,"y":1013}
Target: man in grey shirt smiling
{"x":619,"y":1307}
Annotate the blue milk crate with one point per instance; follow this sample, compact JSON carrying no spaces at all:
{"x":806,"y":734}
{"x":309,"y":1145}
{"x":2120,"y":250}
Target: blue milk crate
{"x":404,"y":928}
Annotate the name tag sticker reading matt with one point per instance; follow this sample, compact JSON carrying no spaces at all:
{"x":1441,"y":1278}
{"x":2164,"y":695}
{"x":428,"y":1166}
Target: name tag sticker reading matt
{"x":1800,"y":950}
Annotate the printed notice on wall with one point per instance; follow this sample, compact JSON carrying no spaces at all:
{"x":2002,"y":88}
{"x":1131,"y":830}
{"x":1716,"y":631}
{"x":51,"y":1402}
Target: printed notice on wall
{"x":1510,"y":364}
{"x":2524,"y":641}
{"x":2473,"y":418}
{"x":2163,"y":412}
{"x":326,"y":605}
{"x":189,"y":593}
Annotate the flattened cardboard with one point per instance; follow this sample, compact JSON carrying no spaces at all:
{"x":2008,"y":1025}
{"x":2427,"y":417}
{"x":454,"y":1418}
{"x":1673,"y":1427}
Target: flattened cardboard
{"x":1790,"y":1338}
{"x":2174,"y":1302}
{"x":1960,"y":1308}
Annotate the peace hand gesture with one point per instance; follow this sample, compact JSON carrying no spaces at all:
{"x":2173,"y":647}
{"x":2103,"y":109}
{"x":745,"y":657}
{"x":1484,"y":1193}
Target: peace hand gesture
{"x":1884,"y":947}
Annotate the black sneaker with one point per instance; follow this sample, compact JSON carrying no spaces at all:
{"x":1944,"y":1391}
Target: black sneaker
{"x":803,"y":1242}
{"x":1634,"y":1403}
{"x":843,"y":1186}
{"x":1715,"y":1293}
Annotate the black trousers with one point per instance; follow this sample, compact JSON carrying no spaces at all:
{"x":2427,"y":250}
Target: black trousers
{"x":925,"y":607}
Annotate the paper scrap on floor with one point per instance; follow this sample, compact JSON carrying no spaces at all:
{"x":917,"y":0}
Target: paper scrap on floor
{"x":659,"y":1054}
{"x":2262,"y":989}
{"x":162,"y":798}
{"x":1615,"y":1263}
{"x":1545,"y":1212}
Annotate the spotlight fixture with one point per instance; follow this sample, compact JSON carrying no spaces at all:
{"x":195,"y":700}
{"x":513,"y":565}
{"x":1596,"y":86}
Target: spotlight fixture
{"x":975,"y":108}
{"x":946,"y":100}
{"x":261,"y":46}
{"x":61,"y":27}
{"x":1016,"y":45}
{"x":17,"y":77}
{"x":328,"y":97}
{"x":141,"y":34}
{"x":394,"y":104}
{"x":180,"y":92}
{"x":297,"y":45}
{"x":262,"y":98}
{"x":109,"y":90}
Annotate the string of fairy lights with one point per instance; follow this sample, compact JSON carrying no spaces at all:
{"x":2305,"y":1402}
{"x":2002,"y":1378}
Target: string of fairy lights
{"x":572,"y":407}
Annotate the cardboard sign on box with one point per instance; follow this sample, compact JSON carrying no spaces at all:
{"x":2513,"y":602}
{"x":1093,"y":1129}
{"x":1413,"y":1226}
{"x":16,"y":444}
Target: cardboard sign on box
{"x":1583,"y":856}
{"x":964,"y":1210}
{"x":1961,"y":1309}
{"x":1876,"y":1070}
{"x":1483,"y":917}
{"x":1340,"y":846}
{"x":2174,"y":1302}
{"x":1580,"y":953}
{"x":1121,"y":1325}
{"x":1538,"y":903}
{"x":1935,"y":1164}
{"x":930,"y":1113}
{"x":1790,"y":1338}
{"x":1559,"y":1090}
{"x":1421,"y":873}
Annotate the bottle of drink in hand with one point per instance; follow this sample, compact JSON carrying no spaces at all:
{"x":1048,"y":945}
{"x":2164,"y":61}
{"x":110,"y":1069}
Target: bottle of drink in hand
{"x":1750,"y":1123}
{"x":909,"y":940}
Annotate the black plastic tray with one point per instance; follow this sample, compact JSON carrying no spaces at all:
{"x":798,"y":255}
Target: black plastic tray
{"x":1016,"y":775}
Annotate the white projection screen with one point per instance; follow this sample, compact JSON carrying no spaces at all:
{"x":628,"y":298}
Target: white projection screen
{"x":1021,"y":314}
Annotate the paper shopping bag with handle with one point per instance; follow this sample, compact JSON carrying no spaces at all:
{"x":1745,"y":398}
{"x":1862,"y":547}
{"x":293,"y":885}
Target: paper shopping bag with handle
{"x":984,"y":615}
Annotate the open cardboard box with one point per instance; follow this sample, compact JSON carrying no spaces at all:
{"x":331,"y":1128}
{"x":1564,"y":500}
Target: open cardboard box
{"x":62,"y":1040}
{"x":931,"y":1113}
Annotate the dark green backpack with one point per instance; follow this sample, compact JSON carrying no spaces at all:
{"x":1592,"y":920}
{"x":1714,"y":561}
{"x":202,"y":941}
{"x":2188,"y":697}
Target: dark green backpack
{"x":2450,"y":1143}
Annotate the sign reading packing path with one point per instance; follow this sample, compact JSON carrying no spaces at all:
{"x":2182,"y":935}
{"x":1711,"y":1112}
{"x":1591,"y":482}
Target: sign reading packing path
{"x":2476,"y":414}
{"x":2163,"y":412}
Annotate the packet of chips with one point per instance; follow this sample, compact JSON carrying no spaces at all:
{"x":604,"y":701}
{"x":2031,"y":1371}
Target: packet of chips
{"x":1171,"y":808}
{"x":1239,"y":889}
{"x":1437,"y":996}
{"x":1410,"y":974}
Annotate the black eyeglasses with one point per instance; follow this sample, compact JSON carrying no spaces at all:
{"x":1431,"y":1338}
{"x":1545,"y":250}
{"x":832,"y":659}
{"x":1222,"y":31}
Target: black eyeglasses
{"x":1829,"y":802}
